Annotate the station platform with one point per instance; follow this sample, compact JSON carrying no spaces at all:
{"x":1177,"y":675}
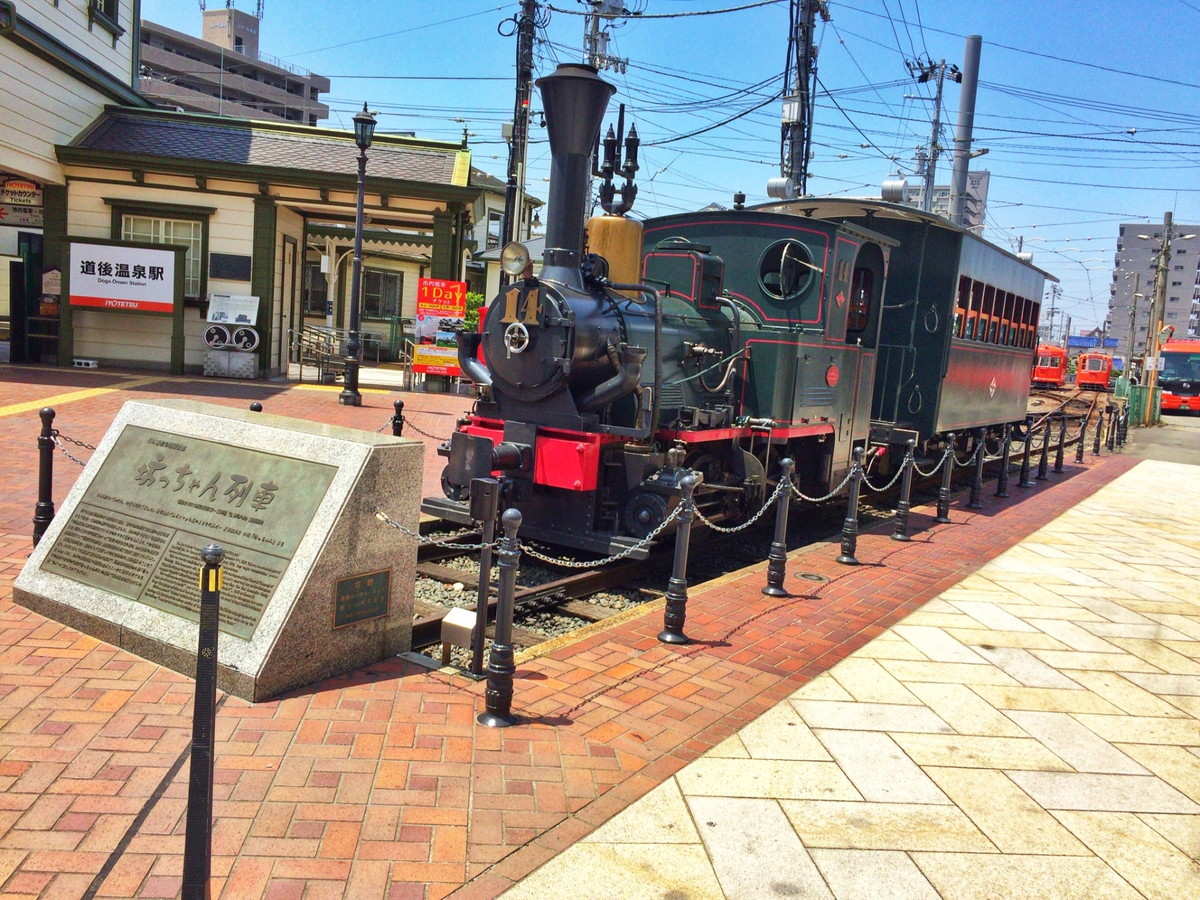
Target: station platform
{"x":1005,"y":706}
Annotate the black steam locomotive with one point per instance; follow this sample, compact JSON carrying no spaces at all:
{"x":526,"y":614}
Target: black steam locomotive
{"x":720,"y":344}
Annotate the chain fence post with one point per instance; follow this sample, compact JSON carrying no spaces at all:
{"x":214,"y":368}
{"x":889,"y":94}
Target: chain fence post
{"x":903,"y":505}
{"x":1062,"y":443}
{"x":501,"y":665}
{"x":398,"y":420}
{"x":943,"y":504}
{"x":1123,"y":434}
{"x":197,"y":845}
{"x":1025,"y":481}
{"x":675,"y":612}
{"x":255,"y":406}
{"x":1044,"y":456}
{"x":1099,"y":433}
{"x":1083,"y":424}
{"x":976,"y":501}
{"x":777,"y":557}
{"x":1112,"y":427}
{"x":1002,"y":480}
{"x":43,"y":510}
{"x":485,"y":506}
{"x":850,"y":525}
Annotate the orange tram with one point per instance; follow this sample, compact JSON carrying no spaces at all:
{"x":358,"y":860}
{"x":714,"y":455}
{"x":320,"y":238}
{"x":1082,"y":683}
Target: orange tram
{"x":1050,"y":366}
{"x":1093,"y":371}
{"x":1180,"y":376}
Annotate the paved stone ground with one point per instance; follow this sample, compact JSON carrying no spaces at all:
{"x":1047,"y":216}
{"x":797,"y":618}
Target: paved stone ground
{"x":380,"y":784}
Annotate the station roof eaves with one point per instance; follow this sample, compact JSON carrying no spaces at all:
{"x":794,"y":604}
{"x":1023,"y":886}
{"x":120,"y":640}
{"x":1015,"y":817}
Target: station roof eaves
{"x":254,"y":148}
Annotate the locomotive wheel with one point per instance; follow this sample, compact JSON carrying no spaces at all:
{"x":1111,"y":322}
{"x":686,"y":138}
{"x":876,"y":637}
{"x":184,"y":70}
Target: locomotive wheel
{"x":644,"y":512}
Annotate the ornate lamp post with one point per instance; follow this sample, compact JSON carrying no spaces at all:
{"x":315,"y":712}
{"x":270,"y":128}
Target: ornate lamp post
{"x":364,"y":131}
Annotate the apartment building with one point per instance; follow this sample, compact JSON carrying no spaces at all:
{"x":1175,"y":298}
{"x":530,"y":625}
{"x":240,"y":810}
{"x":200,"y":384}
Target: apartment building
{"x":224,"y":72}
{"x":1134,"y":272}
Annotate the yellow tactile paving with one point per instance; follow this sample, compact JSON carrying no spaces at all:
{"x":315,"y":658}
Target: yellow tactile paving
{"x":57,"y":400}
{"x":1035,"y":732}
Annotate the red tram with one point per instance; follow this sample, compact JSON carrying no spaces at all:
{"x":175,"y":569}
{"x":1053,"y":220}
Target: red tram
{"x":1050,"y":366}
{"x":1180,"y":376}
{"x":1093,"y":371}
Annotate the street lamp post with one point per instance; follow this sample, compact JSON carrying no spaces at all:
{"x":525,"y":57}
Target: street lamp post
{"x":1157,"y":308}
{"x":364,"y":130}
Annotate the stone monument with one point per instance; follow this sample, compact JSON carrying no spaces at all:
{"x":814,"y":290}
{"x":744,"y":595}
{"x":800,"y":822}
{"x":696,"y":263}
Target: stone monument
{"x":314,"y":583}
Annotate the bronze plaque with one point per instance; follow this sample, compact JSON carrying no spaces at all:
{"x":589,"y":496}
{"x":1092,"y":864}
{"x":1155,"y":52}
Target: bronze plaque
{"x":362,"y":597}
{"x":158,"y":498}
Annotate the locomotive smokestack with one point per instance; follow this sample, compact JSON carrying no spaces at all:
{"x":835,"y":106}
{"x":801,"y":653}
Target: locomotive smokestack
{"x":574,"y":99}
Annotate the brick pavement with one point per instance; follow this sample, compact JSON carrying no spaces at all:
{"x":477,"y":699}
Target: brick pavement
{"x":379,"y":783}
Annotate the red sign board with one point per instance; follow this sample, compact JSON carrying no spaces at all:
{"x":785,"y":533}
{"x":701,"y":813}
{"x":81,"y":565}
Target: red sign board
{"x":441,"y":299}
{"x":436,"y":352}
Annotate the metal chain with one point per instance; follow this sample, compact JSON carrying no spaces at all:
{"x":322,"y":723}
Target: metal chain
{"x":734,"y":529}
{"x":589,"y":564}
{"x":879,"y":490}
{"x":423,"y":539}
{"x":935,"y":469}
{"x":962,"y":465}
{"x":421,"y":431}
{"x":59,"y":438}
{"x":837,"y":490}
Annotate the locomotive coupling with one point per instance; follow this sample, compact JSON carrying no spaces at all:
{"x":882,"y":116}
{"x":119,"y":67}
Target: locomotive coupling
{"x":472,"y":456}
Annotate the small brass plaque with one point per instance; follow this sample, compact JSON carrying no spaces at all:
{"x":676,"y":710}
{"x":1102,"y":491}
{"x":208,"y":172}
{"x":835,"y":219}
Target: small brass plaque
{"x":362,"y":598}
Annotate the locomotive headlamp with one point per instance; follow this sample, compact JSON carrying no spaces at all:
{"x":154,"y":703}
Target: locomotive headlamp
{"x":514,"y":259}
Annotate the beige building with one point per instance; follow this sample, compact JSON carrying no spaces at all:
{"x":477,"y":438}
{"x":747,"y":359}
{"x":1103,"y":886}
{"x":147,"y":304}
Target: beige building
{"x":61,"y":63}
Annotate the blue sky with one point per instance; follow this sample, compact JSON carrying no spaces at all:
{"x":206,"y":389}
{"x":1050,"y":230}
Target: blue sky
{"x":1090,"y":111}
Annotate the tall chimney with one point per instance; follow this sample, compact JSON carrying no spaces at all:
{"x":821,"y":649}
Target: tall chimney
{"x":574,"y":99}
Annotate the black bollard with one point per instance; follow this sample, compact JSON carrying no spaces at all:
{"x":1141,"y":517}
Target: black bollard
{"x":43,"y":510}
{"x":1083,"y":423}
{"x":976,"y":501}
{"x":485,"y":506}
{"x":398,"y":420}
{"x":501,"y":667}
{"x":1099,"y":433}
{"x":1002,"y":480}
{"x":1025,"y":482}
{"x":777,"y":557}
{"x":943,"y":505}
{"x":675,"y":613}
{"x":197,"y":844}
{"x":1044,"y":458}
{"x":850,"y":525}
{"x":255,"y":406}
{"x":1062,"y":443}
{"x":1112,"y":427}
{"x":1123,"y":429}
{"x":903,"y":506}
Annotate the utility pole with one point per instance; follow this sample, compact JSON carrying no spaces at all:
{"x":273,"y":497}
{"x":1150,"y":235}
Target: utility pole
{"x":800,"y":74}
{"x":1137,"y":282}
{"x":924,"y":72}
{"x":526,"y":24}
{"x":595,"y":36}
{"x":964,"y":131}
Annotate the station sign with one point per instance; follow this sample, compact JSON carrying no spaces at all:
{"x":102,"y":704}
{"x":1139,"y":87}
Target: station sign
{"x":118,"y":277}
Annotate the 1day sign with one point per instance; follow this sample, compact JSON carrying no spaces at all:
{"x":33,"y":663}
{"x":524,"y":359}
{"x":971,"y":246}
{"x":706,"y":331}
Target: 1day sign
{"x":441,"y":299}
{"x":112,"y":276}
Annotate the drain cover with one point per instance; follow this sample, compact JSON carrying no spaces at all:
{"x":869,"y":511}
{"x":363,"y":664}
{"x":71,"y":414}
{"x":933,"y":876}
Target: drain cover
{"x":812,"y":576}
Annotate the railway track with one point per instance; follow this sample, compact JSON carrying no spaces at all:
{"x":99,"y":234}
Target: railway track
{"x":542,"y":589}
